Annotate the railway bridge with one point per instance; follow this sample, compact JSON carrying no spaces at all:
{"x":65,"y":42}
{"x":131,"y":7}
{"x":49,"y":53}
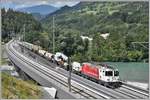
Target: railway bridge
{"x":50,"y":75}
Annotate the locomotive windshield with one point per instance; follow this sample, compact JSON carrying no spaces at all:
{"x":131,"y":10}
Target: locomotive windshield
{"x":116,"y":73}
{"x":108,"y":73}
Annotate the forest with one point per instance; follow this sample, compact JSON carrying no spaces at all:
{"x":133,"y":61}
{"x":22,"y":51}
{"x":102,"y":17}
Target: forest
{"x":126,"y":23}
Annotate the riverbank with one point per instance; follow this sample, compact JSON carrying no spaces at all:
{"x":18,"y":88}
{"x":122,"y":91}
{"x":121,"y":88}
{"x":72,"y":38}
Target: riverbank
{"x":138,"y":84}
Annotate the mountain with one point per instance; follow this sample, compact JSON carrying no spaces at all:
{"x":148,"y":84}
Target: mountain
{"x":38,"y":16}
{"x":61,"y":10}
{"x":102,"y":17}
{"x":67,"y":9}
{"x":41,"y":9}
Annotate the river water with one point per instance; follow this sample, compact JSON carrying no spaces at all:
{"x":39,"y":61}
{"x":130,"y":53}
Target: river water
{"x":132,"y":71}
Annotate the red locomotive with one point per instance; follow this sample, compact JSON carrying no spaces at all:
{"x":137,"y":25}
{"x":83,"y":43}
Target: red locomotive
{"x":102,"y":73}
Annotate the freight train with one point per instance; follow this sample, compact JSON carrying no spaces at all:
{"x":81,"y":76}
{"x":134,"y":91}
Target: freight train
{"x":101,"y":73}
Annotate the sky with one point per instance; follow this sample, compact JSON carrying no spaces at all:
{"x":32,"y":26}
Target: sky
{"x":15,"y":4}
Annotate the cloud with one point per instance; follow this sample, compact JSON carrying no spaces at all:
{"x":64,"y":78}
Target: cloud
{"x":27,"y":3}
{"x":63,"y":3}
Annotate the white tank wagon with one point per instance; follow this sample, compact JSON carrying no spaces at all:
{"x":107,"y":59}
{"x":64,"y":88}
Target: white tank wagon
{"x":27,"y":45}
{"x":36,"y":48}
{"x":42,"y":52}
{"x":76,"y":66}
{"x":49,"y":56}
{"x":20,"y":43}
{"x":61,"y":59}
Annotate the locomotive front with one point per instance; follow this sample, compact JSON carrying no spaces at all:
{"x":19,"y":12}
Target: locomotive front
{"x":110,"y":76}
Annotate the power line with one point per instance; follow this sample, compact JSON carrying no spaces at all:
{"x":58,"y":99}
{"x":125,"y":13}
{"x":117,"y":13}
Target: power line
{"x":141,"y":43}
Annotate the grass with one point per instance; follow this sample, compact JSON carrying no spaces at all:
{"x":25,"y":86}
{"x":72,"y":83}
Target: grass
{"x":13,"y":88}
{"x":3,"y":61}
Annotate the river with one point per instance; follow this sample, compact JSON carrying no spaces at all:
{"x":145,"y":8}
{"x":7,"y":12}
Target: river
{"x":132,"y":71}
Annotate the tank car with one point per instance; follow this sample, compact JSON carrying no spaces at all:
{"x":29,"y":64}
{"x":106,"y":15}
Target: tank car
{"x":61,"y":59}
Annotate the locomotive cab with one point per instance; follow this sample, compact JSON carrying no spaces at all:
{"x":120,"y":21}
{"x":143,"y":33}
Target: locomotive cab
{"x":109,"y":76}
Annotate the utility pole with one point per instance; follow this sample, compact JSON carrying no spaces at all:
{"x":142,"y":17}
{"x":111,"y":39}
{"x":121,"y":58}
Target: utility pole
{"x":69,"y":77}
{"x":23,"y":48}
{"x":24,"y":30}
{"x":53,"y":35}
{"x":90,"y":49}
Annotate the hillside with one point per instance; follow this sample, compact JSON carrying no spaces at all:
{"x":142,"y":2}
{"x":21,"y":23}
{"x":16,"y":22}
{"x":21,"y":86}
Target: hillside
{"x":86,"y":17}
{"x":126,"y":22}
{"x":123,"y":22}
{"x":16,"y":23}
{"x":13,"y":88}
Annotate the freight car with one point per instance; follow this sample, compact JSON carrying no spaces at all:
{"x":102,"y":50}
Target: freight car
{"x":46,"y":55}
{"x":61,"y":59}
{"x":30,"y":46}
{"x":49,"y":56}
{"x":42,"y":52}
{"x":101,"y":73}
{"x":76,"y":67}
{"x":37,"y":49}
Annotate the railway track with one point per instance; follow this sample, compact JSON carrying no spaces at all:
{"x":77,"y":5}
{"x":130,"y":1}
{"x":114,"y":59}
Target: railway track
{"x":137,"y":89}
{"x":122,"y":92}
{"x":132,"y":91}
